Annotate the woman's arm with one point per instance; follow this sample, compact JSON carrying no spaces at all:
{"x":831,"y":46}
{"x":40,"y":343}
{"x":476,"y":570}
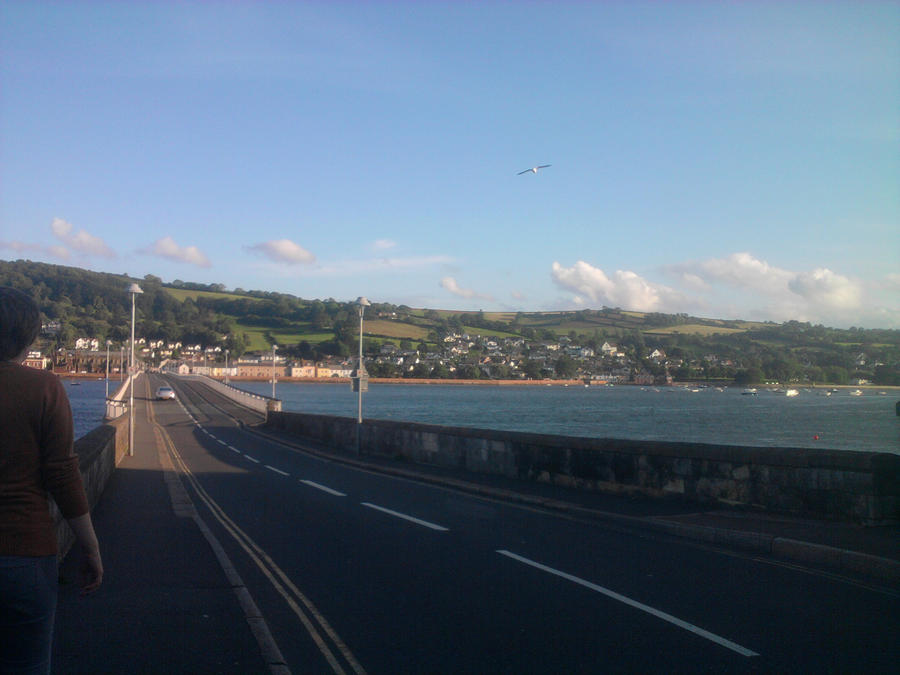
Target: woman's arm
{"x":91,"y":563}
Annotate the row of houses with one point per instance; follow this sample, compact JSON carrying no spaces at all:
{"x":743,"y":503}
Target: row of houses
{"x":262,"y":369}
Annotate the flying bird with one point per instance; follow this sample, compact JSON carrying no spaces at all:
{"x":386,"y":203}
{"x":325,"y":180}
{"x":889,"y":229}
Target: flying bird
{"x":533,"y":169}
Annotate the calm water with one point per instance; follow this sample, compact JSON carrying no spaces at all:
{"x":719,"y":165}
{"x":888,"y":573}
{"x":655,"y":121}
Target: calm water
{"x":841,"y":421}
{"x":87,"y":400}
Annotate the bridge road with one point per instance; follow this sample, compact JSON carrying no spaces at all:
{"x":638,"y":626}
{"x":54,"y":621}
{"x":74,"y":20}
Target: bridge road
{"x":355,"y":571}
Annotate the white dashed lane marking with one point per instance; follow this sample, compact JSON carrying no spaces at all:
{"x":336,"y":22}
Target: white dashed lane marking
{"x":397,"y":514}
{"x":743,"y":651}
{"x":323,"y":488}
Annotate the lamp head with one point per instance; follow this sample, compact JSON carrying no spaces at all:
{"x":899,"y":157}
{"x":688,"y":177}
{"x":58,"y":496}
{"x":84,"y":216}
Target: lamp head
{"x":134,"y":288}
{"x":362,"y":301}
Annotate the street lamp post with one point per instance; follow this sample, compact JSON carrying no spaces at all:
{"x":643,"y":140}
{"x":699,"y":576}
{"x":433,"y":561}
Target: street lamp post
{"x":274,"y":347}
{"x":134,"y":289}
{"x":108,"y":343}
{"x":361,"y":381}
{"x":226,"y":366}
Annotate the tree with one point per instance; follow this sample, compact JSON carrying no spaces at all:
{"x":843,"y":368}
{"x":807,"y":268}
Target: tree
{"x":532,"y":369}
{"x":749,"y":376}
{"x":421,"y":370}
{"x":467,"y":371}
{"x":566,"y":367}
{"x":886,"y":376}
{"x":440,"y":371}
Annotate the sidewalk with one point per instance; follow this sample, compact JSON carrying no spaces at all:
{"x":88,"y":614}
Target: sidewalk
{"x":165,"y":604}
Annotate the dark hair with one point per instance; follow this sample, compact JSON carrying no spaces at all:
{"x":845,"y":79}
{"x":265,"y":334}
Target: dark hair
{"x":20,"y":322}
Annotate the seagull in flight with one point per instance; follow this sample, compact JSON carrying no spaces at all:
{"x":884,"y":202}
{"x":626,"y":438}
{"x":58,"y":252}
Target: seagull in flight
{"x":533,"y":169}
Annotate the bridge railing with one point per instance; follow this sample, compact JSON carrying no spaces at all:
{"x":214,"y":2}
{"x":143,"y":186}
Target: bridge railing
{"x":257,"y":402}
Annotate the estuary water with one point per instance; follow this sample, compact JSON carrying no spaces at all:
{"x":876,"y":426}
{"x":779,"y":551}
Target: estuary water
{"x":707,"y":415}
{"x":811,"y":419}
{"x":87,"y":398}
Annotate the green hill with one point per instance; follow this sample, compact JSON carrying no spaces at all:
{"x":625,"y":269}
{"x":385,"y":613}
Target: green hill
{"x":80,"y":303}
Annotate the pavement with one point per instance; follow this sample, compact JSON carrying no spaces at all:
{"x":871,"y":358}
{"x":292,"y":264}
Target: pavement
{"x":165,"y":605}
{"x":165,"y":586}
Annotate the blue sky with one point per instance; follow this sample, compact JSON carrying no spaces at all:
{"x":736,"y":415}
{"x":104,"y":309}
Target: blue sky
{"x":728,"y":160}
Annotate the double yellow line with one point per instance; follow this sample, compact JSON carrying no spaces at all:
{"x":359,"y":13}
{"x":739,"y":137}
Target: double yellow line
{"x":312,"y":619}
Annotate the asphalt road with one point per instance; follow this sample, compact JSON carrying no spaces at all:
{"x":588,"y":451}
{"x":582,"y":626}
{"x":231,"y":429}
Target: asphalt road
{"x":353,"y":571}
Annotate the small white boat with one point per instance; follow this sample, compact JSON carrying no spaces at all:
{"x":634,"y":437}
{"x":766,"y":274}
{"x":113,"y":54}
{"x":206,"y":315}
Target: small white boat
{"x":792,"y":392}
{"x":856,"y":392}
{"x":749,"y":392}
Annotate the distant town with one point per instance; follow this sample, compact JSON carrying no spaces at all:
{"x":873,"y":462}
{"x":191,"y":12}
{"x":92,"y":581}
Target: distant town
{"x":207,"y":329}
{"x":461,"y":356}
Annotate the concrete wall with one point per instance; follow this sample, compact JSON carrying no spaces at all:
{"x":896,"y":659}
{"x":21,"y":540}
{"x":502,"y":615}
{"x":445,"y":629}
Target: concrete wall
{"x":99,"y":452}
{"x":831,"y":484}
{"x":116,"y":405}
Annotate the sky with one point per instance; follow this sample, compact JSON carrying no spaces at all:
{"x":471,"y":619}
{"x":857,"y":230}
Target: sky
{"x":724,"y":160}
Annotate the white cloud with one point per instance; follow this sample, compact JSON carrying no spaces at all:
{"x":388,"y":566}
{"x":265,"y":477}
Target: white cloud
{"x":624,"y":289}
{"x":167,"y":248}
{"x":55,"y":251}
{"x":81,"y":241}
{"x":694,"y":282}
{"x":742,"y":286}
{"x":450,"y":284}
{"x":827,"y":289}
{"x":283,"y":251}
{"x":59,"y":252}
{"x":383,"y":244}
{"x":892,"y":282}
{"x":350,"y":268}
{"x":742,"y":270}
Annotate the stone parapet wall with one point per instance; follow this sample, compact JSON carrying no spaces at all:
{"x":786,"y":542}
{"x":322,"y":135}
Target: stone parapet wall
{"x":99,"y":452}
{"x":116,"y":405}
{"x":833,"y":484}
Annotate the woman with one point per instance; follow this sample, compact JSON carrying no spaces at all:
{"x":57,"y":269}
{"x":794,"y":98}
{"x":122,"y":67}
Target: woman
{"x":36,"y":458}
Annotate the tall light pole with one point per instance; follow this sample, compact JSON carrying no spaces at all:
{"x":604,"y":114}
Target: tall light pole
{"x":108,"y":343}
{"x":226,"y":366}
{"x":274,"y":347}
{"x":134,"y":289}
{"x":361,"y":381}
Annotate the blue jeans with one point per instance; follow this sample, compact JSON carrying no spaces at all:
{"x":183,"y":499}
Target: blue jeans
{"x":27,"y":609}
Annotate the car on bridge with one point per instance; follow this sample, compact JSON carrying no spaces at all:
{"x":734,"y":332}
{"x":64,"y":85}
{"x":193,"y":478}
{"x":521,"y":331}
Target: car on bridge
{"x":165,"y":393}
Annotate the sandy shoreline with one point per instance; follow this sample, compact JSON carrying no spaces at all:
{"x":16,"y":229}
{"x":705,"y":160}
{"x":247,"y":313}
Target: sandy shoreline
{"x":501,"y":383}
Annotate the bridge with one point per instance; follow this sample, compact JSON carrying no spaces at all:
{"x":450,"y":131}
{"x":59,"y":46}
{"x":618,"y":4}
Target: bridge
{"x":231,"y":545}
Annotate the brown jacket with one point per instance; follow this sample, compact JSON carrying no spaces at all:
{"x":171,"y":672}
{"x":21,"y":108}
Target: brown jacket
{"x":36,"y":458}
